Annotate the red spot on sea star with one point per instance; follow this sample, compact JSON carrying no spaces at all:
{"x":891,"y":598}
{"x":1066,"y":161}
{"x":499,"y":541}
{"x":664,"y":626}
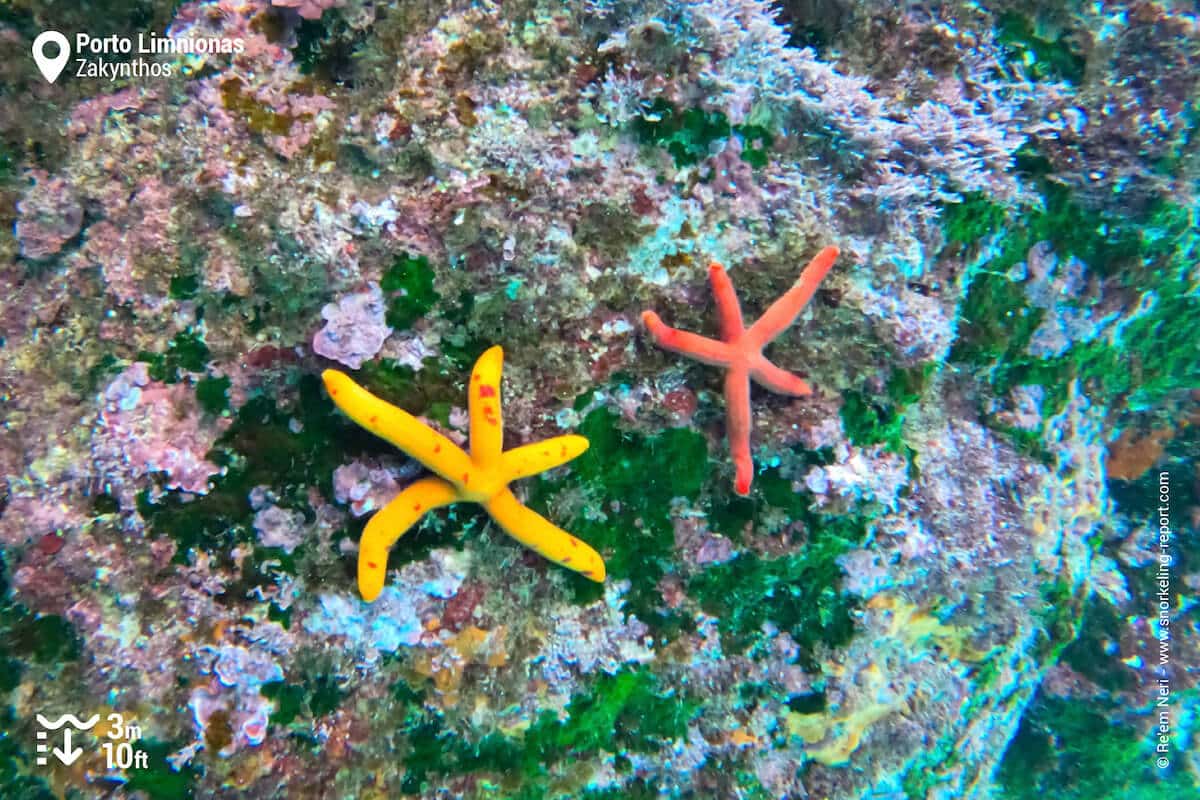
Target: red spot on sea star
{"x":487,"y":391}
{"x":564,"y":451}
{"x":574,"y":542}
{"x":374,"y":420}
{"x":437,"y":448}
{"x":567,"y":560}
{"x":466,"y":477}
{"x":372,"y":565}
{"x":417,"y":507}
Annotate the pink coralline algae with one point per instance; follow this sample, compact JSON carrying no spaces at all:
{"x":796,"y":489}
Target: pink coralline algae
{"x":136,"y":234}
{"x":367,"y":487}
{"x":309,"y":9}
{"x":1024,"y":410}
{"x":920,"y":328}
{"x":47,"y":217}
{"x":355,"y":328}
{"x":859,"y":473}
{"x":396,"y":619}
{"x":37,"y":518}
{"x":1069,"y":297}
{"x":279,"y":527}
{"x":698,"y":545}
{"x":146,"y":426}
{"x":90,"y":114}
{"x":600,"y":636}
{"x":233,"y":697}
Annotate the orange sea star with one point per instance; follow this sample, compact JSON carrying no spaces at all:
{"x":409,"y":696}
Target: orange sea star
{"x":740,"y":351}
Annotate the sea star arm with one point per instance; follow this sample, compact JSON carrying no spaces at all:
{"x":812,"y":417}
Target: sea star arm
{"x":540,"y":535}
{"x":729,"y":310}
{"x":783,"y":312}
{"x":397,"y":426}
{"x":530,"y":459}
{"x":701,"y":348}
{"x":737,"y":428}
{"x":779,"y":380}
{"x":483,"y":404}
{"x":390,"y":523}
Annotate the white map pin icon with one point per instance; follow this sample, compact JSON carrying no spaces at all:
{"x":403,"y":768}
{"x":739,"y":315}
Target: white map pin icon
{"x":51,"y":67}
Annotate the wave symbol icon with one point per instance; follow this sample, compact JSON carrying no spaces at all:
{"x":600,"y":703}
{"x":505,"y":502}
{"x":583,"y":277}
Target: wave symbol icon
{"x":65,"y":718}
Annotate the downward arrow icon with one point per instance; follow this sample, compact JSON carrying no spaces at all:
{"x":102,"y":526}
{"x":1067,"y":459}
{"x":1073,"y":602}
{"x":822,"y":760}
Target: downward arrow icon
{"x":67,"y":755}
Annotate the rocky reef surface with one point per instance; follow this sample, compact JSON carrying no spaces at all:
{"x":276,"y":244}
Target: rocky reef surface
{"x":947,"y":580}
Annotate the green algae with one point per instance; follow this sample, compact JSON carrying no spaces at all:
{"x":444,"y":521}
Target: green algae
{"x":629,"y":710}
{"x":809,"y":703}
{"x":320,"y":696}
{"x":281,"y":615}
{"x":288,"y":700}
{"x":213,"y":395}
{"x":324,"y":48}
{"x":632,"y":479}
{"x":1150,"y":257}
{"x":1059,"y":617}
{"x":798,"y":592}
{"x":259,"y":449}
{"x":927,"y":771}
{"x":1087,"y":655}
{"x":104,"y":368}
{"x":870,"y":420}
{"x":291,"y":284}
{"x":1047,"y":55}
{"x":973,"y":219}
{"x":7,"y":164}
{"x":324,"y":695}
{"x":634,"y":790}
{"x":757,"y":144}
{"x":408,"y":285}
{"x":687,"y":135}
{"x":47,"y":640}
{"x":1074,"y":748}
{"x":161,"y":781}
{"x":186,"y":352}
{"x":399,"y":385}
{"x":690,"y":135}
{"x":15,"y":763}
{"x":184,"y":287}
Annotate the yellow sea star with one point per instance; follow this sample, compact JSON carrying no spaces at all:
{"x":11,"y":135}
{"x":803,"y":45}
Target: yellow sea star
{"x":481,"y":477}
